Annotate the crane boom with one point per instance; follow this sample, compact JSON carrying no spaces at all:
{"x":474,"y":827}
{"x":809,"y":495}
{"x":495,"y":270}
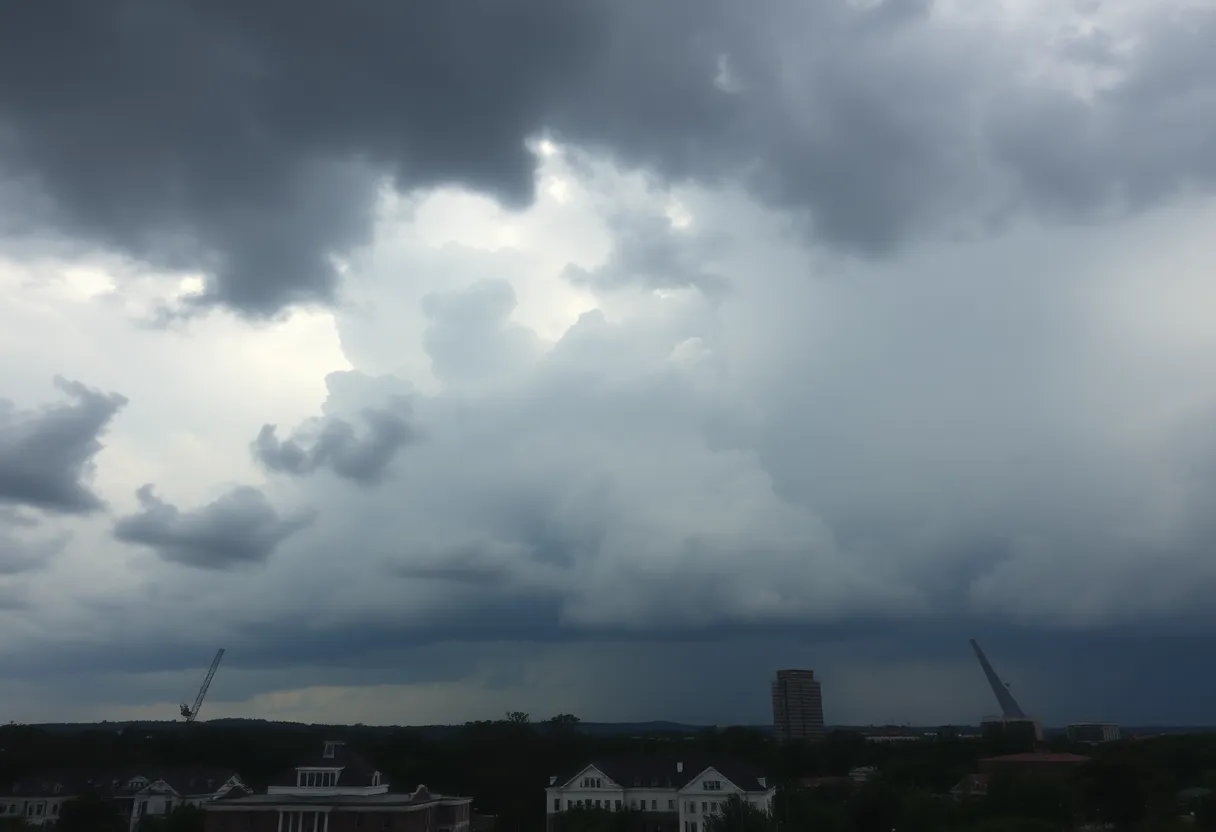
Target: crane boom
{"x":1009,"y":705}
{"x":191,"y":714}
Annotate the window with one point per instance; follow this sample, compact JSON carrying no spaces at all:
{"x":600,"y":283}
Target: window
{"x":618,"y":805}
{"x":557,"y":804}
{"x":704,"y":807}
{"x":711,"y":785}
{"x":329,"y":750}
{"x":671,"y":805}
{"x":693,"y":825}
{"x":597,"y":804}
{"x":714,"y":806}
{"x":692,"y":808}
{"x":654,"y":805}
{"x":569,"y":804}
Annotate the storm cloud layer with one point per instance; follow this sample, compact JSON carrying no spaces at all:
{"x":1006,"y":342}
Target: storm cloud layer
{"x":552,"y":355}
{"x":218,"y":138}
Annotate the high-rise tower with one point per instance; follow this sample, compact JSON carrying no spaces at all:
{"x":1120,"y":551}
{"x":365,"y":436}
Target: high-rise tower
{"x":797,"y":706}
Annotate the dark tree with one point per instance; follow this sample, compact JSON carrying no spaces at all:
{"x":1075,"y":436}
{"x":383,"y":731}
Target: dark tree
{"x":90,"y":813}
{"x":183,"y":818}
{"x":738,"y":815}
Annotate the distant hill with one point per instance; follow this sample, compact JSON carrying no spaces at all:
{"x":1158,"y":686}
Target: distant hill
{"x":601,"y":729}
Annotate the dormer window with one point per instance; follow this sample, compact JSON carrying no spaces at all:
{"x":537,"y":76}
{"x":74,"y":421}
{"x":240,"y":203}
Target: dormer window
{"x":330,"y":750}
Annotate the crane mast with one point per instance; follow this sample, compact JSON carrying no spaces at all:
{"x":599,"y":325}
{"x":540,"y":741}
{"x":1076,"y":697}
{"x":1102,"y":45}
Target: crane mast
{"x":1009,"y":706}
{"x":191,"y":714}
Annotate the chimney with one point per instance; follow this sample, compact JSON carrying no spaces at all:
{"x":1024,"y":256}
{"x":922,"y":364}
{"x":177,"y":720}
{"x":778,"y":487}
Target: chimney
{"x":763,"y":781}
{"x":679,"y":768}
{"x":552,"y":779}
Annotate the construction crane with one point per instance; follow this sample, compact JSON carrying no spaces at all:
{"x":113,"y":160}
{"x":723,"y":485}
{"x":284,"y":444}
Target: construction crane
{"x":191,"y":714}
{"x":1009,"y":706}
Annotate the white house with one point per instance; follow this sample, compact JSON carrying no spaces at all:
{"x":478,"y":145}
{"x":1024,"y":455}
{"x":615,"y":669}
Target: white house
{"x":159,"y":794}
{"x":676,"y":795}
{"x":39,"y":800}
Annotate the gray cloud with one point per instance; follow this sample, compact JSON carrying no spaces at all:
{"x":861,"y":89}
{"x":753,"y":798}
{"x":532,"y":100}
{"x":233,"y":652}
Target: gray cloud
{"x":207,"y":136}
{"x":20,"y":554}
{"x":46,"y":455}
{"x":334,"y":443}
{"x":647,"y":255}
{"x":470,"y":338}
{"x":237,"y":529}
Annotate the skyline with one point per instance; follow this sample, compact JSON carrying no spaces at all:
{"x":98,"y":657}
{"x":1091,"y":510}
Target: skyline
{"x":603,"y":358}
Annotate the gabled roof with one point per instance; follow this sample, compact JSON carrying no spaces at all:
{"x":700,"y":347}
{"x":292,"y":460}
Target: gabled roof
{"x":118,"y":782}
{"x":192,"y":781}
{"x":664,"y":773}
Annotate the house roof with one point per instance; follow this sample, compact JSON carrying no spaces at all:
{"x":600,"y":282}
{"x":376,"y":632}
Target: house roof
{"x":117,"y":782}
{"x":400,"y":800}
{"x":1037,"y":757}
{"x":972,"y":784}
{"x":660,"y":773}
{"x":356,"y":771}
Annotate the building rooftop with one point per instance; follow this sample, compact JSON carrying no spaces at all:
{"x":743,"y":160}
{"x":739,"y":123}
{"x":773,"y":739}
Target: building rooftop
{"x":121,"y":781}
{"x":1037,"y":757}
{"x":355,"y":772}
{"x":659,"y":773}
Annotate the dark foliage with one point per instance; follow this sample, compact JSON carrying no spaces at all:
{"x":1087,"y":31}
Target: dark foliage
{"x":506,"y":764}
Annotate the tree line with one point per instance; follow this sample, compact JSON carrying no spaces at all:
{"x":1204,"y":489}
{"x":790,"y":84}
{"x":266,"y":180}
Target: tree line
{"x":506,"y":764}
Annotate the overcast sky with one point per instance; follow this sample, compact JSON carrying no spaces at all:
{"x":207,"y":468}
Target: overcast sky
{"x":444,"y":358}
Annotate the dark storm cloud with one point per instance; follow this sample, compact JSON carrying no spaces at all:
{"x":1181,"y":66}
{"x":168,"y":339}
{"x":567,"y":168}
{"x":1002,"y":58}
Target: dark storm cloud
{"x":247,"y":140}
{"x":46,"y":455}
{"x":239,"y":528}
{"x":334,"y":443}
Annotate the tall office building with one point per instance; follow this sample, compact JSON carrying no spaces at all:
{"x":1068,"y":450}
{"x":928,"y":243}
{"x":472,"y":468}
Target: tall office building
{"x":797,"y":706}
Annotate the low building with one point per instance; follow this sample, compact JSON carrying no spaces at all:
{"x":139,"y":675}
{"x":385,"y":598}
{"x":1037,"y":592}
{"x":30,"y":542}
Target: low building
{"x":671,"y":796}
{"x":1017,"y":729}
{"x":1092,"y":733}
{"x":162,"y":792}
{"x":136,"y":793}
{"x":1034,"y":763}
{"x":337,"y":791}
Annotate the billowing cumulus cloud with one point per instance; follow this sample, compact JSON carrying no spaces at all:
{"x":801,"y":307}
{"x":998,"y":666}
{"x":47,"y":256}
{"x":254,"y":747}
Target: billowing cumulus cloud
{"x":641,"y":341}
{"x":46,"y":455}
{"x":238,"y":528}
{"x":335,"y":443}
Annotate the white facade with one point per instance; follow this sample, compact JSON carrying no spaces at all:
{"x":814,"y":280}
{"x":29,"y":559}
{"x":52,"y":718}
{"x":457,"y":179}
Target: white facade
{"x":158,"y":798}
{"x":36,"y":811}
{"x":142,"y":797}
{"x":703,"y":795}
{"x":1093,"y":732}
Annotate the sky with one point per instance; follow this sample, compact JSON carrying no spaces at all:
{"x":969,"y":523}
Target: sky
{"x":443,"y":359}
